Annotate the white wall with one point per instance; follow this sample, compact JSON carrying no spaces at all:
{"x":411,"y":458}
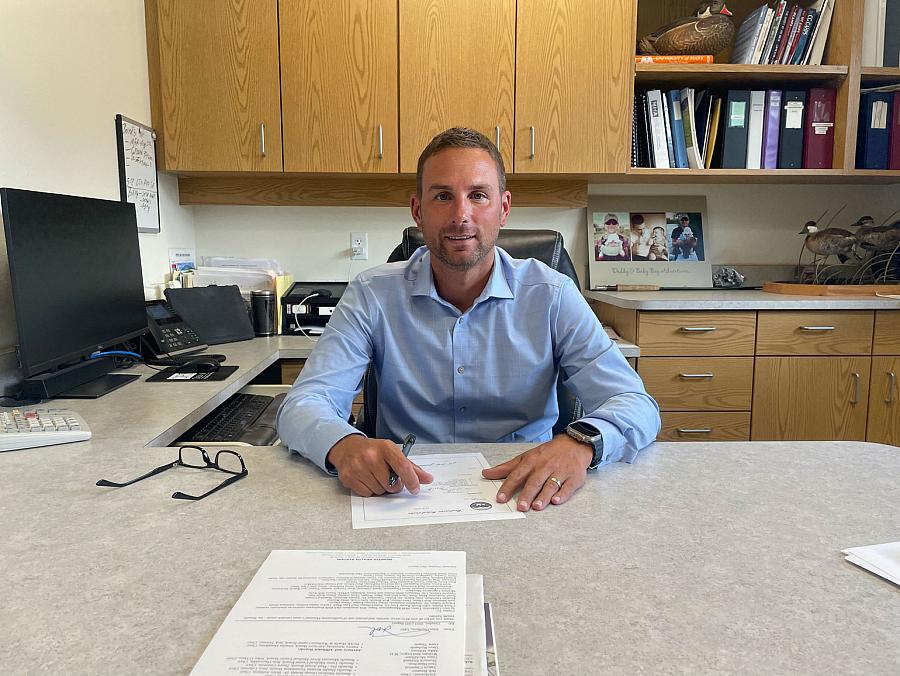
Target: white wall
{"x":67,"y":68}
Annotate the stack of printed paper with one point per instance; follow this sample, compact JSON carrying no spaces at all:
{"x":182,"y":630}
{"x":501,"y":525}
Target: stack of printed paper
{"x":883,"y":560}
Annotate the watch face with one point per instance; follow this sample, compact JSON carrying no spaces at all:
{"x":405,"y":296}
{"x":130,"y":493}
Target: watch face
{"x":585,"y":429}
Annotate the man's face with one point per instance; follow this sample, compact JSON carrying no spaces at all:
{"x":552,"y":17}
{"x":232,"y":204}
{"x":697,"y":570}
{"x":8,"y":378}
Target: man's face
{"x":461,"y":209}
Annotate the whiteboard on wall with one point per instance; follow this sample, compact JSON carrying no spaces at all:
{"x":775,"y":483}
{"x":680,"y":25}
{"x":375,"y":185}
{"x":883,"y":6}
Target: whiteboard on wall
{"x":137,"y":171}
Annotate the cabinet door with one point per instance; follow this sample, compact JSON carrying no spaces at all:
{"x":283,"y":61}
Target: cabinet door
{"x":884,"y":401}
{"x":574,"y":64}
{"x":456,"y":70}
{"x":339,"y":85}
{"x":214,"y":75}
{"x":810,"y":398}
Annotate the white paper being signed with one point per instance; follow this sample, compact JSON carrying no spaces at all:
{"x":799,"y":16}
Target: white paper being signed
{"x":346,"y":612}
{"x":459,"y":493}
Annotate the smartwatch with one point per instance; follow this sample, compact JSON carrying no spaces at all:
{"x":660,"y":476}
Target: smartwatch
{"x":588,"y":434}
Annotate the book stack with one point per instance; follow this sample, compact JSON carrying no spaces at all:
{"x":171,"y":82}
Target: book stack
{"x":878,"y":139}
{"x":783,"y":34}
{"x":735,"y":129}
{"x":881,"y":33}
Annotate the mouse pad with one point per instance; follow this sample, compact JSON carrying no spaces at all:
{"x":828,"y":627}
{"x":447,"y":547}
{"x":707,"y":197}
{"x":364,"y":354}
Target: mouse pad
{"x":174,"y":375}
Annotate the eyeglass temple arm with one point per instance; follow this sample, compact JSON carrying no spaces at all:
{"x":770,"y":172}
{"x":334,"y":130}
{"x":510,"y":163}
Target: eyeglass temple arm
{"x":152,"y":472}
{"x":178,"y":495}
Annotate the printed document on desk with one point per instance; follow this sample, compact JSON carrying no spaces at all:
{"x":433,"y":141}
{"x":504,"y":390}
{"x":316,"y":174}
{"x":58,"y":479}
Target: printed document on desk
{"x":459,"y":493}
{"x":346,"y":612}
{"x":883,"y":560}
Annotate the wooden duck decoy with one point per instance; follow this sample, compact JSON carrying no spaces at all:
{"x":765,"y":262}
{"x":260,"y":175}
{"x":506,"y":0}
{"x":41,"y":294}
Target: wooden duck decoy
{"x":829,"y":242}
{"x":708,"y":31}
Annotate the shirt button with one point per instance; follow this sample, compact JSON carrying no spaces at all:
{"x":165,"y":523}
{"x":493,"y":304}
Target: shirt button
{"x":461,"y":320}
{"x":461,"y":369}
{"x":462,"y":409}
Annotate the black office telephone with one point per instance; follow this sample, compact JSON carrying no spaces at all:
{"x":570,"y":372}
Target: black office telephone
{"x":170,"y":336}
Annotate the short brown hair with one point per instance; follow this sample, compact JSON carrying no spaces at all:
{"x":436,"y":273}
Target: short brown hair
{"x":461,"y":137}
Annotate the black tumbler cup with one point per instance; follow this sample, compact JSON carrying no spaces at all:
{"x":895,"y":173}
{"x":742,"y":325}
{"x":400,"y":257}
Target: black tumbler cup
{"x":262,"y":307}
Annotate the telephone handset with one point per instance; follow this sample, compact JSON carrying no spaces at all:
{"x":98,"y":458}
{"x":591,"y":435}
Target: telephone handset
{"x":170,"y":336}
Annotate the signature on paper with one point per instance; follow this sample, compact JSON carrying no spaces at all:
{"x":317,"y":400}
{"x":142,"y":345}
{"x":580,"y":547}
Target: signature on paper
{"x":379,"y":632}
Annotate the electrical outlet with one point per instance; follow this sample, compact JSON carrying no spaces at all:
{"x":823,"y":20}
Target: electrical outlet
{"x":359,"y":246}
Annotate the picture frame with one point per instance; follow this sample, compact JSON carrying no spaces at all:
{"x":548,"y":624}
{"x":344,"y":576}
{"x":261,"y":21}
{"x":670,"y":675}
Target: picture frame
{"x":657,"y":240}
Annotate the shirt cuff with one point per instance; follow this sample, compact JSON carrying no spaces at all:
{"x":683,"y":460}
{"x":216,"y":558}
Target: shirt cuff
{"x":614,"y":447}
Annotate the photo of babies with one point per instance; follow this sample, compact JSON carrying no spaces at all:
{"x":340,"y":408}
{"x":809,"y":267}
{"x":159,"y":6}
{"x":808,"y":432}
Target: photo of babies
{"x":612,"y":239}
{"x":648,"y":237}
{"x":685,"y":232}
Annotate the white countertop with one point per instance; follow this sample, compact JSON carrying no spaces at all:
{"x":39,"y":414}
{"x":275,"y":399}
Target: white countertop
{"x":737,"y":299}
{"x":698,"y":558}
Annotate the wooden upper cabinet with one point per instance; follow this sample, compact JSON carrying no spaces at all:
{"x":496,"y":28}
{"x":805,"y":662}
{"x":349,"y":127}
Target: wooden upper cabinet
{"x":214,"y":75}
{"x":339,"y":85}
{"x":456,"y":70}
{"x":574,"y":64}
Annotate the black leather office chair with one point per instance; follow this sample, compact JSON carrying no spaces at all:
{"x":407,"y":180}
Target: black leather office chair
{"x":544,"y":245}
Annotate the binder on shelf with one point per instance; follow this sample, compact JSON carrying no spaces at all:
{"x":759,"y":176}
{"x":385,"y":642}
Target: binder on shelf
{"x":891,"y":52}
{"x":657,"y":129}
{"x":755,"y":129}
{"x":667,"y":125}
{"x":715,"y":113}
{"x":647,"y":139}
{"x":873,"y":137}
{"x":818,"y":129}
{"x":771,"y":129}
{"x":894,"y":150}
{"x":734,"y":141}
{"x":689,"y":123}
{"x":790,"y":134}
{"x":676,"y":124}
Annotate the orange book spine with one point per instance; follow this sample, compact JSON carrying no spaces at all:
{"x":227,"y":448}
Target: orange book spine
{"x":680,"y":58}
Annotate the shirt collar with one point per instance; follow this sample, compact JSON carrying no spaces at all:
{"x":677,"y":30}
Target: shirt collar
{"x":418,"y":271}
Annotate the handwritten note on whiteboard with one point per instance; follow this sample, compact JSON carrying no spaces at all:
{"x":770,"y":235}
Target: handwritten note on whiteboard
{"x":137,"y":171}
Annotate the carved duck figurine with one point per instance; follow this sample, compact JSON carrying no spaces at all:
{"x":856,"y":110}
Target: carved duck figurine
{"x":708,"y":31}
{"x":829,"y":242}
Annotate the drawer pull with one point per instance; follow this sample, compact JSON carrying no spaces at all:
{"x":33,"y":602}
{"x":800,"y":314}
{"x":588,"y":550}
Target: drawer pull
{"x":262,"y":139}
{"x":695,"y":375}
{"x":531,"y":148}
{"x":856,"y":380}
{"x":892,"y":382}
{"x":380,"y":139}
{"x":817,"y":328}
{"x":697,"y":329}
{"x":497,"y":136}
{"x":695,"y":430}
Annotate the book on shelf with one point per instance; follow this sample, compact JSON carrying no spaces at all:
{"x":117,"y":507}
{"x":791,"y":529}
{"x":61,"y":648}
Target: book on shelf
{"x":689,"y":124}
{"x":873,"y":33}
{"x":702,"y":111}
{"x":734,"y":139}
{"x":818,"y":129}
{"x":793,"y":36}
{"x":771,"y":129}
{"x":825,"y":10}
{"x":780,"y":11}
{"x":674,"y":58}
{"x":763,"y":36}
{"x":894,"y":149}
{"x":891,"y":50}
{"x":784,"y":34}
{"x":873,"y":136}
{"x":748,"y":35}
{"x":715,"y":113}
{"x":755,"y":123}
{"x":644,"y":128}
{"x":676,"y":124}
{"x":806,"y":31}
{"x":790,"y":133}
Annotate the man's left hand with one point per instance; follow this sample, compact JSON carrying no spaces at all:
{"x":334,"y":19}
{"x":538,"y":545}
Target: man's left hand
{"x":562,"y":458}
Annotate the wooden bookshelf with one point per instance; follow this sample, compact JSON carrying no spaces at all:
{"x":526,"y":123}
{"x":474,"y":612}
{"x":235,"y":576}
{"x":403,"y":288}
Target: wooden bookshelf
{"x":872,"y":77}
{"x":737,"y":75}
{"x":758,"y":176}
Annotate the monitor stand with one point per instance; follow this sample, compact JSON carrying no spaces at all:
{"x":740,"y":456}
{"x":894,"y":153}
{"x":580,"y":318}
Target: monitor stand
{"x":99,"y":386}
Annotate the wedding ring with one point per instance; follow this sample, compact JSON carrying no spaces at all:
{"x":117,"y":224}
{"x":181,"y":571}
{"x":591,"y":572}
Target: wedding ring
{"x":556,"y":481}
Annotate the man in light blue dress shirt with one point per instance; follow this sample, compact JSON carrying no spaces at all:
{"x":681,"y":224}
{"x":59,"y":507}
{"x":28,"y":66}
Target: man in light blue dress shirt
{"x":466,"y":344}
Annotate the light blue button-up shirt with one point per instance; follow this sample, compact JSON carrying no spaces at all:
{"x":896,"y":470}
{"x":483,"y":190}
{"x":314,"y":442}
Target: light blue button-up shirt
{"x":485,"y":375}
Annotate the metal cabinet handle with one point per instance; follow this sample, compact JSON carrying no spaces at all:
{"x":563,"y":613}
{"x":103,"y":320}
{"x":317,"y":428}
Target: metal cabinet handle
{"x":856,"y":381}
{"x":697,"y":430}
{"x":892,"y":382}
{"x":497,"y":136}
{"x":817,"y":328}
{"x":531,"y":156}
{"x":262,"y":139}
{"x":695,"y":375}
{"x":380,"y":143}
{"x":697,"y":329}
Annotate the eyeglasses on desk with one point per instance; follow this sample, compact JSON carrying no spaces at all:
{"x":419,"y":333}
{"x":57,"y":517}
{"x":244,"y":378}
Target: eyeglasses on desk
{"x":195,"y":457}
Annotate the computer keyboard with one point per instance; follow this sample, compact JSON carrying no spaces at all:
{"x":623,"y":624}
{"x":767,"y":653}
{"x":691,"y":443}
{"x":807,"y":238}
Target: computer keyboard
{"x":25,"y":427}
{"x":247,"y":418}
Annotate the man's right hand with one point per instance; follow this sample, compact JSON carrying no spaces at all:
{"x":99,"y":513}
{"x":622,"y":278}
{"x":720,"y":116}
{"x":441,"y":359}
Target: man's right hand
{"x":364,"y":466}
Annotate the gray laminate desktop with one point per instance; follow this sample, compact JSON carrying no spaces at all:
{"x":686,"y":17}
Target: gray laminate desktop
{"x":736,"y":299}
{"x":698,"y":558}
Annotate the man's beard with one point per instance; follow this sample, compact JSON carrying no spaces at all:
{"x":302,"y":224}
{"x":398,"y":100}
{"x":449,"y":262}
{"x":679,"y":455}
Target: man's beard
{"x":454,"y":262}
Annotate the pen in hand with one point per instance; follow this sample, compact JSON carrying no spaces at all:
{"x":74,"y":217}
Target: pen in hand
{"x":407,"y":445}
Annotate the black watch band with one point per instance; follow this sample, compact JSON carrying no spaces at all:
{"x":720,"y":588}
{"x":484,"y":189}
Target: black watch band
{"x":590,"y":435}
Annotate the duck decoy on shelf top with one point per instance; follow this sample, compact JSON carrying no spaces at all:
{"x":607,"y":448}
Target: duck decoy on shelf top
{"x":708,"y":31}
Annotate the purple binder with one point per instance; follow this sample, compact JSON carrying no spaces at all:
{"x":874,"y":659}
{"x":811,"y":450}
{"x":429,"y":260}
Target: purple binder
{"x":771,"y":125}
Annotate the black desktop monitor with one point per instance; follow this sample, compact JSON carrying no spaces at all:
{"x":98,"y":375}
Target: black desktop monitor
{"x":75,"y":269}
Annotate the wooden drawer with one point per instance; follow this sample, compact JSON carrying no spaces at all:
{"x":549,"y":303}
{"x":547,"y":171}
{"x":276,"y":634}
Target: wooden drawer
{"x":705,"y":426}
{"x":680,"y":334}
{"x":689,"y":384}
{"x":887,"y":332}
{"x":290,"y":369}
{"x":884,"y":401}
{"x":814,"y":333}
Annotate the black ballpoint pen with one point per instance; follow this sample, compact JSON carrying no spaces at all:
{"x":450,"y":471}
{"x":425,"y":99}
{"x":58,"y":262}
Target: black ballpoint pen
{"x":407,"y":444}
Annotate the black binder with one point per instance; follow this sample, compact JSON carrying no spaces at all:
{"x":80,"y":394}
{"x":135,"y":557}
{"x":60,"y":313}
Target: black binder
{"x":790,"y":138}
{"x":737,"y":119}
{"x":218,"y":314}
